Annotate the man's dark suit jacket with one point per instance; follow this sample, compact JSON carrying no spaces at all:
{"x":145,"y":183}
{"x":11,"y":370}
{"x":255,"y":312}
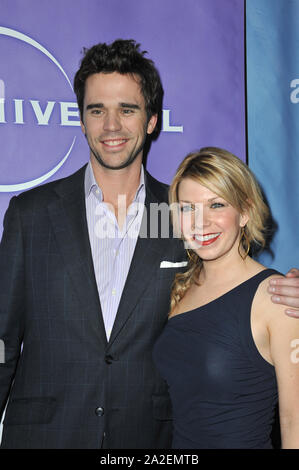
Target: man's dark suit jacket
{"x":66,"y":386}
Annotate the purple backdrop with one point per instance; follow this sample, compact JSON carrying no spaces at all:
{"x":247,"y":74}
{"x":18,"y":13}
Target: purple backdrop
{"x":197,"y":45}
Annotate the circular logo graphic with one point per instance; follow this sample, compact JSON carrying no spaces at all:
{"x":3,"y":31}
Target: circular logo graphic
{"x":35,"y":119}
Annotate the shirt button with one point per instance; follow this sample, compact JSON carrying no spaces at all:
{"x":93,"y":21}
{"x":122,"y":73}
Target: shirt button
{"x":113,"y":291}
{"x":99,"y":411}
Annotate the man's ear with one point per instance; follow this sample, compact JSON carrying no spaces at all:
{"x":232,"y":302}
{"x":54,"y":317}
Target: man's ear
{"x":82,"y":127}
{"x":152,"y":123}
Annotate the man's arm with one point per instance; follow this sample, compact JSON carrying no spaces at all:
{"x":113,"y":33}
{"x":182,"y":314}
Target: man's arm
{"x":12,"y":298}
{"x":284,"y":340}
{"x":285,"y":291}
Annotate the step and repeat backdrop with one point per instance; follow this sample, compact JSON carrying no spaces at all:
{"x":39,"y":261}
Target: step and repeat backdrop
{"x":197,"y":45}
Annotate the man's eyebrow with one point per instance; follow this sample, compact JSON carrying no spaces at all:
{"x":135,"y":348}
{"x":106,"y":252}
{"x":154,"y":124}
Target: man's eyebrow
{"x":129,"y":105}
{"x":94,"y":105}
{"x":122,"y":105}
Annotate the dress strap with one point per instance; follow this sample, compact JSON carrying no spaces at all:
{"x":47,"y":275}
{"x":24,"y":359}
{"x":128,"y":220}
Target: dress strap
{"x":245,"y":321}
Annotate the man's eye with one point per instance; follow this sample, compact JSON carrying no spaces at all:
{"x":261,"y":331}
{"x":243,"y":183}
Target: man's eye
{"x":127,"y":111}
{"x":96,"y":111}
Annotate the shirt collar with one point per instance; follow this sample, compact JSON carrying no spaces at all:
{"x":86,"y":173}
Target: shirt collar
{"x":91,"y":185}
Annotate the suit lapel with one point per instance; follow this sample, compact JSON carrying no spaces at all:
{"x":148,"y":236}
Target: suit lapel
{"x":68,"y":217}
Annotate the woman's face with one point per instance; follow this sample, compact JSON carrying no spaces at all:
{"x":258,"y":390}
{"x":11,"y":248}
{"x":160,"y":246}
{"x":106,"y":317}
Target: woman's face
{"x":209,"y":224}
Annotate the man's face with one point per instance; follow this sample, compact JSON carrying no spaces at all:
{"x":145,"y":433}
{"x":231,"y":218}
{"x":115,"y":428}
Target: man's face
{"x":114,"y":120}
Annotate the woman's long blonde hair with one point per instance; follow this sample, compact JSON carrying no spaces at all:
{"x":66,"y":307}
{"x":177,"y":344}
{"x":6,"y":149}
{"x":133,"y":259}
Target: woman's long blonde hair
{"x":228,"y":177}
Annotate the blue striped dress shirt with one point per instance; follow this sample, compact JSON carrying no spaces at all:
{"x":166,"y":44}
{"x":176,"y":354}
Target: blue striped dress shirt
{"x":112,"y":247}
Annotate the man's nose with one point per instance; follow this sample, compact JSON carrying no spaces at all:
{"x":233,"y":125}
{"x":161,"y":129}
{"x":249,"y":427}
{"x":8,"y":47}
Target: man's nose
{"x":112,"y":121}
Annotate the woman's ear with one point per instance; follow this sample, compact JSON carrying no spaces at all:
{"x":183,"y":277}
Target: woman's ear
{"x":244,"y":219}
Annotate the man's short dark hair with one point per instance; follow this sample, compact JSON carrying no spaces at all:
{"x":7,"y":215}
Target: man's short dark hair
{"x":125,"y":57}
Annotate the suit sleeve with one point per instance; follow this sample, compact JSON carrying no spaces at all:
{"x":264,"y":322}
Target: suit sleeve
{"x":12,"y":298}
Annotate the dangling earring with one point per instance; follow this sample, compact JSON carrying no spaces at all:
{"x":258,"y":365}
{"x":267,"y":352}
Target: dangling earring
{"x":244,"y":242}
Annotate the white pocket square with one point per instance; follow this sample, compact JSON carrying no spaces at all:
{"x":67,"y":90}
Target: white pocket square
{"x":169,"y":264}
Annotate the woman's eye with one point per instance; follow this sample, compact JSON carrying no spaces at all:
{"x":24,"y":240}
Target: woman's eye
{"x":186,"y":208}
{"x":215,"y":205}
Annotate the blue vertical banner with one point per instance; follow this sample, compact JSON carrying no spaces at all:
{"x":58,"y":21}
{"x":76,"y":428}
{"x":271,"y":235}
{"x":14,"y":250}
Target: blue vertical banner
{"x":272,"y":36}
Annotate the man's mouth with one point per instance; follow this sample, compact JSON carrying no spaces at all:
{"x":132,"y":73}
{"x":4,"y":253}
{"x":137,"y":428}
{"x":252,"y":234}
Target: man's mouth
{"x":114,"y":142}
{"x":206,"y":239}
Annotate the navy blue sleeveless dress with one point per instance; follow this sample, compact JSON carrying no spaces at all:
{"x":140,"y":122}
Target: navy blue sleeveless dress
{"x":223,"y":392}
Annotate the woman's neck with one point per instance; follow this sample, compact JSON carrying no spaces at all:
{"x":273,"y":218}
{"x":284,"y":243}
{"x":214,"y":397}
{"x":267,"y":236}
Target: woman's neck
{"x":228,"y":269}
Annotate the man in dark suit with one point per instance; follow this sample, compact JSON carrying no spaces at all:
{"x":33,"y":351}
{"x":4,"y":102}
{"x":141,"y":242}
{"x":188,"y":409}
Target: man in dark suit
{"x":80,"y":308}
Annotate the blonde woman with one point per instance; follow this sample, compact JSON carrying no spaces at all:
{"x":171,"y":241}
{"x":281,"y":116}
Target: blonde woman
{"x":227,"y":352}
